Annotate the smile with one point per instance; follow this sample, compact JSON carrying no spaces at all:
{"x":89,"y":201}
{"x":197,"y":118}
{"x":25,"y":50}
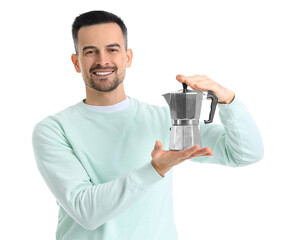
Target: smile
{"x":103,"y":73}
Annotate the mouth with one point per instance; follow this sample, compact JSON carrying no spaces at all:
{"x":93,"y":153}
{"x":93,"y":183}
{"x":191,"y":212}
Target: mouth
{"x":103,"y":74}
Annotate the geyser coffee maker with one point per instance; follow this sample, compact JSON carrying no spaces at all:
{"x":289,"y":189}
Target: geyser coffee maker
{"x":185,"y":108}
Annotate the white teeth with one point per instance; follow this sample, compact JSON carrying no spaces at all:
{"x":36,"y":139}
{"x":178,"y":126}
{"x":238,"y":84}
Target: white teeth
{"x":102,"y":73}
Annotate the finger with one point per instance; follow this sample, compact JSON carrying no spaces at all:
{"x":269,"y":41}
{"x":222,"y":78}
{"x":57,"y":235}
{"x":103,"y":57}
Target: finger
{"x":196,"y":82}
{"x":180,"y":78}
{"x":205,"y":154}
{"x":188,"y":152}
{"x":196,"y":155}
{"x":183,"y":78}
{"x":202,"y":152}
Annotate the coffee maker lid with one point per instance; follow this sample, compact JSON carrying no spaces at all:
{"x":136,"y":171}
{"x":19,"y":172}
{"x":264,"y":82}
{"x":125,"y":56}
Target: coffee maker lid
{"x":187,"y":91}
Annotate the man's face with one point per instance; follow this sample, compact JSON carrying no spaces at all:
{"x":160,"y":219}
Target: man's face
{"x":102,"y":58}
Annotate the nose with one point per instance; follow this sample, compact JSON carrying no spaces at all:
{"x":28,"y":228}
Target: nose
{"x":102,"y":59}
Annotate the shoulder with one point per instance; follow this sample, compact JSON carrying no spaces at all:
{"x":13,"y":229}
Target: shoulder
{"x":54,"y":122}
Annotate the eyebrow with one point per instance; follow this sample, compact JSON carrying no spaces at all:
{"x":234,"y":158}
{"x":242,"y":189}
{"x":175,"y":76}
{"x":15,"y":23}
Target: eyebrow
{"x":113,"y":45}
{"x":109,"y":45}
{"x":88,"y":47}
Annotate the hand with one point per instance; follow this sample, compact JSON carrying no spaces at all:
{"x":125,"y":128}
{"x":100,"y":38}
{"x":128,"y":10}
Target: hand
{"x":163,"y":161}
{"x":203,"y":83}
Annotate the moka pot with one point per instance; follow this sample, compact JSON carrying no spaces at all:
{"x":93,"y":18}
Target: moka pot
{"x":185,"y":107}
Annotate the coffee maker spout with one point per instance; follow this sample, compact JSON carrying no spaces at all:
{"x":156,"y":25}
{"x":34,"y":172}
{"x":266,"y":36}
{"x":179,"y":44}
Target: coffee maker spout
{"x":167,"y":97}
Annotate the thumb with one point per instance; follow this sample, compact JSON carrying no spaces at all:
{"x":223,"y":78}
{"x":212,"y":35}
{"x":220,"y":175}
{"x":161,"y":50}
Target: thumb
{"x":157,"y":148}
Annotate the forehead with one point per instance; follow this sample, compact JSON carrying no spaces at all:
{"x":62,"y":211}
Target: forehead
{"x":100,"y":35}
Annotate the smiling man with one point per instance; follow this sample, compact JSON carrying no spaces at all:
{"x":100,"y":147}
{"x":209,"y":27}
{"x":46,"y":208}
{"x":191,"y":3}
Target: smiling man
{"x":102,"y":61}
{"x":98,"y":156}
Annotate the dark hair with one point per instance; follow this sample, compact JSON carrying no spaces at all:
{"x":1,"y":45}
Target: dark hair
{"x":96,"y":17}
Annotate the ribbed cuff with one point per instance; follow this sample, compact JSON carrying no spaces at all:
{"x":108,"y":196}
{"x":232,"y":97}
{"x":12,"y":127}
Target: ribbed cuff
{"x":146,"y":176}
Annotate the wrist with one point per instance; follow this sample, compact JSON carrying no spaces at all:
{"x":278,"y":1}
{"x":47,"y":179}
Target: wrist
{"x":160,"y":171}
{"x":229,"y":97}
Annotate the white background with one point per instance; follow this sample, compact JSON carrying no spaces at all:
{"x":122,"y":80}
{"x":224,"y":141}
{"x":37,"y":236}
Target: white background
{"x":244,"y":45}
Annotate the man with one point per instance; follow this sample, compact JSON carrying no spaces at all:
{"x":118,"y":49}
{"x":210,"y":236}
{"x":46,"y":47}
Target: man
{"x":97,"y":156}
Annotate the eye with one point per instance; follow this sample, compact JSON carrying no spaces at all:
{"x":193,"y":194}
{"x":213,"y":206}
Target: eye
{"x":90,"y":52}
{"x":113,"y":50}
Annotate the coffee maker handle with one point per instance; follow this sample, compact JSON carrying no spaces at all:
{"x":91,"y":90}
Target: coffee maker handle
{"x":213,"y":106}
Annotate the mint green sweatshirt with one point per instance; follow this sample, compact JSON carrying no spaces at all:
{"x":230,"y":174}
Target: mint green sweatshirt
{"x":98,"y":167}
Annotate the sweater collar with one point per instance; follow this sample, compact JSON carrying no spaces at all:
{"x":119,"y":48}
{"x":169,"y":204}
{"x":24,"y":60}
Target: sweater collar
{"x":111,"y":108}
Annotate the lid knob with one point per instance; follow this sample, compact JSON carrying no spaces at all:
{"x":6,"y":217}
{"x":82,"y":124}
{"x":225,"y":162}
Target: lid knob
{"x":184,"y":87}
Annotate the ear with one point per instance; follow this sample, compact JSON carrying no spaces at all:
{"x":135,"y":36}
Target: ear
{"x":74,"y":59}
{"x":129,"y":56}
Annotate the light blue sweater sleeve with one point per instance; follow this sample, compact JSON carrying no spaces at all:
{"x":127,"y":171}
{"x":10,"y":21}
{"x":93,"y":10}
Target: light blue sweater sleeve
{"x":237,"y":142}
{"x":89,"y":205}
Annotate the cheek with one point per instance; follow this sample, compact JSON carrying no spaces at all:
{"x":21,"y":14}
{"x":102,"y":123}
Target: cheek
{"x":119,"y":61}
{"x":86,"y":65}
{"x":125,"y":62}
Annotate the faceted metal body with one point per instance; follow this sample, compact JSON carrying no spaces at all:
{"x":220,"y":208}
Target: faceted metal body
{"x":183,"y":137}
{"x":185,"y":108}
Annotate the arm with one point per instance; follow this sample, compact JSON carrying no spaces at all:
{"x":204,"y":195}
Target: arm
{"x":235,"y":143}
{"x":89,"y":205}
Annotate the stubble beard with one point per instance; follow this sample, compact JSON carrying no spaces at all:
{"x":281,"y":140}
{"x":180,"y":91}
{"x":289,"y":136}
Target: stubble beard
{"x":100,"y":85}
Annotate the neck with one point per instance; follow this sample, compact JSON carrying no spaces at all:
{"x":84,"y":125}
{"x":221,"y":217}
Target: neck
{"x":97,"y":98}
